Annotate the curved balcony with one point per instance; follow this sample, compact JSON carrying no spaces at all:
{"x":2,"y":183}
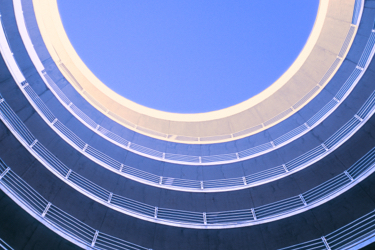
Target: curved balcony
{"x":218,"y":219}
{"x":208,"y":154}
{"x":56,"y":183}
{"x":217,"y":185}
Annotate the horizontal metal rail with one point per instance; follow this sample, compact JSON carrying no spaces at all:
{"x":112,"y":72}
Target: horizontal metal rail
{"x":222,"y":219}
{"x":205,"y":185}
{"x":193,"y":159}
{"x":168,"y":182}
{"x":350,"y":236}
{"x":176,"y":183}
{"x":4,"y":245}
{"x":253,"y":214}
{"x":57,"y":220}
{"x":185,"y":184}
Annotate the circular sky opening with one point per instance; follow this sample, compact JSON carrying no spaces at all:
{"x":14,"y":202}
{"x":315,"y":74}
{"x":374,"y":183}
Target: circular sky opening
{"x":188,"y":56}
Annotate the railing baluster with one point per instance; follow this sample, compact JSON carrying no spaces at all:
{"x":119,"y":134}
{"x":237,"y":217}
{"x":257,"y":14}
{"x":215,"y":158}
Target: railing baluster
{"x":4,"y":173}
{"x":33,"y":144}
{"x":348,"y":175}
{"x":254,"y":215}
{"x":110,"y":197}
{"x":46,"y":209}
{"x":67,"y":174}
{"x":325,"y":243}
{"x":94,"y":239}
{"x":303,"y":200}
{"x":156,"y":212}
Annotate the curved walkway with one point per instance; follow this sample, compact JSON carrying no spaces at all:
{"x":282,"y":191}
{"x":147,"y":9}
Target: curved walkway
{"x":186,"y":159}
{"x":189,"y":219}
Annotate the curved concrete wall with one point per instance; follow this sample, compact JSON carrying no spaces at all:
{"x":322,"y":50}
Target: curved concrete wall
{"x":228,"y":150}
{"x":282,"y":231}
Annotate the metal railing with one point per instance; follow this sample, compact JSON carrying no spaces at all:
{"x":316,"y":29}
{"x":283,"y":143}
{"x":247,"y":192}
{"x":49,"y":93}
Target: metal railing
{"x":183,"y":184}
{"x":191,"y":159}
{"x":182,"y":218}
{"x":258,"y":214}
{"x":197,"y":185}
{"x":175,"y":183}
{"x":54,"y":218}
{"x":4,"y":245}
{"x":349,"y":236}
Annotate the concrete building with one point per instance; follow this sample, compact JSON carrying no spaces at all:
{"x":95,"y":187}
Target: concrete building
{"x":85,"y":168}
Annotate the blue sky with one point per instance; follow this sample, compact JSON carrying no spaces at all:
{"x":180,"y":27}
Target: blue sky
{"x":188,"y":56}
